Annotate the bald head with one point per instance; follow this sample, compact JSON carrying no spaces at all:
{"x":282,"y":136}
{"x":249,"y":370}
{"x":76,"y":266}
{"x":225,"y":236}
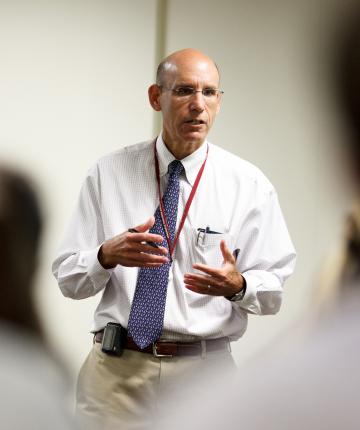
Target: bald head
{"x":188,"y":96}
{"x":183,"y":59}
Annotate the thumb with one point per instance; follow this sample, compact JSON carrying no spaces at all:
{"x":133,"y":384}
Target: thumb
{"x":226,"y":253}
{"x":142,"y":228}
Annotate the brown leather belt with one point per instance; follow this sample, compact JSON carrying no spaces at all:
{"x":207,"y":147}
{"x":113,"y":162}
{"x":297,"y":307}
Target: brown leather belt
{"x":175,"y":349}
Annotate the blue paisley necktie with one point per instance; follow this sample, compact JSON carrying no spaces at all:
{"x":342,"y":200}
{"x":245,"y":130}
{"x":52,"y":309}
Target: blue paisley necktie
{"x":148,"y":307}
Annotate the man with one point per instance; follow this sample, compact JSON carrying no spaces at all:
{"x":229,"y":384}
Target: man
{"x":216,"y":249}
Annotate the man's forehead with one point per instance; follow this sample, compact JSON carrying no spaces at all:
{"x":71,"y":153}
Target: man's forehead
{"x":185,"y":72}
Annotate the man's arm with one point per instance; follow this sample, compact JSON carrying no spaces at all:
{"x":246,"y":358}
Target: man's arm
{"x":85,"y":260}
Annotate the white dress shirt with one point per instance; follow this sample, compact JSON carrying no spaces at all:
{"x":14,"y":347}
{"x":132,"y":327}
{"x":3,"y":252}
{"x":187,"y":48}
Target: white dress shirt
{"x":233,"y":198}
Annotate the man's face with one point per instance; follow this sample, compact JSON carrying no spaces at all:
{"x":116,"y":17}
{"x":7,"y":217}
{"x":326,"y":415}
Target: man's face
{"x":188,"y":117}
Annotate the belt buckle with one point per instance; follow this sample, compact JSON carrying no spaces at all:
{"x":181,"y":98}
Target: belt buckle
{"x":156,"y":354}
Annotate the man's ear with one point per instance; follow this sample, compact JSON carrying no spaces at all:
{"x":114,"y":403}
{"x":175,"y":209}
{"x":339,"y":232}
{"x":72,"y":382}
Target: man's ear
{"x":154,"y":96}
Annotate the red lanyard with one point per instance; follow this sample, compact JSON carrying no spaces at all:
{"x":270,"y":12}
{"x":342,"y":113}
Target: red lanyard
{"x":187,"y":206}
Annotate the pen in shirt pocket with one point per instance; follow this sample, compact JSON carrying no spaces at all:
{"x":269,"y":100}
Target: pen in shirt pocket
{"x":236,"y":252}
{"x":153,"y":244}
{"x":202,"y":232}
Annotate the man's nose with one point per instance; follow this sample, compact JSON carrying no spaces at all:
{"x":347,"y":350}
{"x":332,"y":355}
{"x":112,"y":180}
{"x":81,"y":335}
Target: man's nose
{"x":197,"y":101}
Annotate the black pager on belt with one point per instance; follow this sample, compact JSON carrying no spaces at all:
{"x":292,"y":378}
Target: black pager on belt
{"x":114,"y":339}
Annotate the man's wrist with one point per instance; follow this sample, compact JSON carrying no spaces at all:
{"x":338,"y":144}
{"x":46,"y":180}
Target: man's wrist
{"x":238,"y":296}
{"x":102,"y":259}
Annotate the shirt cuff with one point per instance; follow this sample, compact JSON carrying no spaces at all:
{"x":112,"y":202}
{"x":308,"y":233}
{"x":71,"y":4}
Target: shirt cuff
{"x":249,"y":301}
{"x":96,"y":272}
{"x":261,"y":300}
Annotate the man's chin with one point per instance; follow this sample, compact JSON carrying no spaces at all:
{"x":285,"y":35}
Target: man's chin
{"x":194,"y":138}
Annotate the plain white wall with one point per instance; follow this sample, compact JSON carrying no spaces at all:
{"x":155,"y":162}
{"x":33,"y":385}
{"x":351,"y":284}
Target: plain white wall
{"x":73,"y":86}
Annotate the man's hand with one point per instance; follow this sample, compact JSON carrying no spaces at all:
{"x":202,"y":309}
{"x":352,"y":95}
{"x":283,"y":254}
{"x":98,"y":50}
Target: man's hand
{"x":225,"y":281}
{"x":131,"y":250}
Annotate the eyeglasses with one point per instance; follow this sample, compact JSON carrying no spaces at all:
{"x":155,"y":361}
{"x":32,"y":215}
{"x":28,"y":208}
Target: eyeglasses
{"x":184,"y":92}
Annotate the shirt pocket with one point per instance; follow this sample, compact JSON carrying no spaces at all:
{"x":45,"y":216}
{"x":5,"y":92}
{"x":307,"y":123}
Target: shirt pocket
{"x":206,"y":247}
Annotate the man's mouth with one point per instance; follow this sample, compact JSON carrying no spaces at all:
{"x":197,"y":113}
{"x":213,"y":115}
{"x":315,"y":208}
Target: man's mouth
{"x":195,"y":122}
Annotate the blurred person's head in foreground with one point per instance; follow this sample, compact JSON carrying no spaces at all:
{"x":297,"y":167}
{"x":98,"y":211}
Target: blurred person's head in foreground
{"x":20,"y":229}
{"x":34,"y":390}
{"x":347,"y":84}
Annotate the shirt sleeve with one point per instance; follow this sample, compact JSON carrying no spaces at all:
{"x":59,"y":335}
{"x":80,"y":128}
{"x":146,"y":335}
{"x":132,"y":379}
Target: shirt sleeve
{"x":268,"y":258}
{"x":76,"y":267}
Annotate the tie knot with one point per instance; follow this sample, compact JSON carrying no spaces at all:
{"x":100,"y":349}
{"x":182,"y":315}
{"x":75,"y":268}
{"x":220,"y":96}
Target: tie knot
{"x":175,"y":168}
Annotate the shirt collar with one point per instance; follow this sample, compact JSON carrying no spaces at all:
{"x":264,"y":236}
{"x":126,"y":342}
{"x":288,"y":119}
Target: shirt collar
{"x":191,"y":163}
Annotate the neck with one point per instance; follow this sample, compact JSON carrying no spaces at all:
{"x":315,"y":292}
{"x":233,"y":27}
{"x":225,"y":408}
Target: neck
{"x":183,"y":150}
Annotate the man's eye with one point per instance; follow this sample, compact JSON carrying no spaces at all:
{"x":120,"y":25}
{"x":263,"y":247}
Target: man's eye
{"x":209,"y":92}
{"x":184,"y":91}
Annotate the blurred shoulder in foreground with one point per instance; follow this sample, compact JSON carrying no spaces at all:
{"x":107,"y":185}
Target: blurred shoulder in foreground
{"x":33,"y":391}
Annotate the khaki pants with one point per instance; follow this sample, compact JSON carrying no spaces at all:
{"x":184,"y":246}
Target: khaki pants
{"x":130,"y":391}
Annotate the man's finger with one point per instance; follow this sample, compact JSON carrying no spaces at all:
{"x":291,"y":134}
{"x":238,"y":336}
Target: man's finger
{"x":212,"y":291}
{"x":142,"y":228}
{"x":226,"y":253}
{"x":200,"y":280}
{"x":207,"y":269}
{"x":145,"y":237}
{"x":139,"y":258}
{"x":150,"y":258}
{"x":144,"y":247}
